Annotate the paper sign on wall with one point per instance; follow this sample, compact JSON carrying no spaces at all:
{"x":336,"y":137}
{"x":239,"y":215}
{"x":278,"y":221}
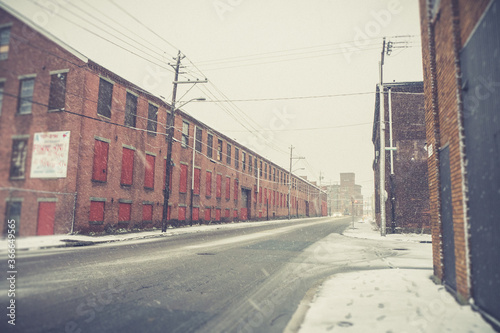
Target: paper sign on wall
{"x":50,"y":155}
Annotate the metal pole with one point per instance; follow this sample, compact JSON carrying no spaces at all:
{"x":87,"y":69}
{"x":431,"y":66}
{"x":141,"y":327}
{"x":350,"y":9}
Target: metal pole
{"x":382,"y":146}
{"x":290,"y":181}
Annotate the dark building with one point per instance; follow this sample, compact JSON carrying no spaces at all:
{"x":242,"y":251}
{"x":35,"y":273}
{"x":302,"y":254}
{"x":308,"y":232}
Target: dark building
{"x":85,"y":150}
{"x":460,"y":46}
{"x":406,"y":181}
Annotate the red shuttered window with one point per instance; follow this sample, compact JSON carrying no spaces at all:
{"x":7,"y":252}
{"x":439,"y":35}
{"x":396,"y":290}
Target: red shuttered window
{"x":147,"y":212}
{"x":208,"y":184}
{"x":182,"y":213}
{"x":218,"y":191}
{"x":196,"y":213}
{"x":183,"y":180}
{"x":124,"y":211}
{"x":217,"y":214}
{"x":228,"y":213}
{"x":149,"y":174}
{"x":208,"y":214}
{"x":196,"y":189}
{"x":100,"y":166}
{"x":127,"y":166}
{"x":96,"y":211}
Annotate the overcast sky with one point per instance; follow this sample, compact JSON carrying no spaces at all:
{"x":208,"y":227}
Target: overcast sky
{"x":256,"y":49}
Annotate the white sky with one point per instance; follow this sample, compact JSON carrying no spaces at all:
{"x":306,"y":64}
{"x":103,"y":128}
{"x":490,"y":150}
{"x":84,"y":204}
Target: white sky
{"x":327,"y":47}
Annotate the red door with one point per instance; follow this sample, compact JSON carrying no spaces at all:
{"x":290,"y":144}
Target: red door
{"x":46,"y":214}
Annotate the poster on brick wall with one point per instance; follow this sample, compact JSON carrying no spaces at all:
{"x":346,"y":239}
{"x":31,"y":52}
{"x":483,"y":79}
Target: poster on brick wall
{"x":50,"y":155}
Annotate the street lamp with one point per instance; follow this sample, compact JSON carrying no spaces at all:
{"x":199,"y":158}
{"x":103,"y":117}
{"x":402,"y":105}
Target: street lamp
{"x":170,"y":137}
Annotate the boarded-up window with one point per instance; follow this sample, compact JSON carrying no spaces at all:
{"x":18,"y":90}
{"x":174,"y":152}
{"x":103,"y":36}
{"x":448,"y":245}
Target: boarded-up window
{"x":124,"y":211}
{"x":196,"y":214}
{"x":127,"y":166}
{"x":227,"y":213}
{"x":183,"y":180}
{"x":197,"y":174}
{"x":45,"y":220}
{"x":149,"y":172}
{"x":217,"y":214}
{"x":218,"y":191}
{"x":208,"y":184}
{"x":152,"y":119}
{"x":96,"y":212}
{"x":208,"y":214}
{"x":18,"y":158}
{"x":57,"y":95}
{"x":130,"y":110}
{"x":236,"y":158}
{"x":105,"y":98}
{"x":147,"y":212}
{"x":100,"y":165}
{"x":228,"y":188}
{"x":182,"y":213}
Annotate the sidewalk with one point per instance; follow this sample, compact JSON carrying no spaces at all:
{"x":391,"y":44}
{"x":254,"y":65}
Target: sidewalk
{"x":389,"y":300}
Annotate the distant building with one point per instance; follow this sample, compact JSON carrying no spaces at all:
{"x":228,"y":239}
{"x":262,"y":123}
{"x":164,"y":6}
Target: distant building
{"x":345,"y":198}
{"x":84,"y":150}
{"x":460,"y":44}
{"x":406,"y":181}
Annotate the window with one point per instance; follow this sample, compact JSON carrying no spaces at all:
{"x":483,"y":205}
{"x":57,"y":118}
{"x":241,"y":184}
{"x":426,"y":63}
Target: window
{"x":227,"y":213}
{"x":218,"y":190}
{"x":260,"y":194}
{"x":208,"y":184}
{"x":228,"y":188}
{"x":130,"y":110}
{"x":265,"y":171}
{"x":96,"y":211}
{"x":183,"y":180}
{"x":1,"y":96}
{"x":124,"y":211}
{"x":210,"y":142}
{"x":243,"y":160}
{"x":13,"y":212}
{"x":228,"y":156}
{"x":57,"y":95}
{"x":250,"y":163}
{"x":104,"y":99}
{"x":274,"y":174}
{"x":4,"y":43}
{"x":217,"y":214}
{"x":147,"y":212}
{"x":197,"y":174}
{"x":18,"y":158}
{"x":208,"y":214}
{"x":185,"y":134}
{"x":181,"y":213}
{"x":100,"y":166}
{"x":25,"y":100}
{"x":198,"y":139}
{"x":236,"y":158}
{"x":127,"y":166}
{"x":256,"y":169}
{"x":236,"y":189}
{"x":260,"y":171}
{"x":196,"y":214}
{"x":149,"y":173}
{"x":152,"y":119}
{"x":219,"y":150}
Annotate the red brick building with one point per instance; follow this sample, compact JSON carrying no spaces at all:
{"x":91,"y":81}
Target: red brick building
{"x":406,"y":182}
{"x":85,"y":150}
{"x":460,"y":41}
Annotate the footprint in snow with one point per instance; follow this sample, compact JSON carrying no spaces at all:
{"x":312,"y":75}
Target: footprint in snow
{"x":381,"y":318}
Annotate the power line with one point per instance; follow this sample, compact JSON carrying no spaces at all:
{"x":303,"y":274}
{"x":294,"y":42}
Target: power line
{"x":310,"y":128}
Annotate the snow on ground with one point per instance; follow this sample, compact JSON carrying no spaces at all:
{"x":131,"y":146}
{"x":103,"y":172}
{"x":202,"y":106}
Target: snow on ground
{"x":392,"y":299}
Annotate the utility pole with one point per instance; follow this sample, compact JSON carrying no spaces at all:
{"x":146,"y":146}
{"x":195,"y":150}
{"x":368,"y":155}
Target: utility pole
{"x":382,"y":144}
{"x":290,"y":179}
{"x":170,"y":138}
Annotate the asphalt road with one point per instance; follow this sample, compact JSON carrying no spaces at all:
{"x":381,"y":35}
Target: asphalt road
{"x":231,"y":280}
